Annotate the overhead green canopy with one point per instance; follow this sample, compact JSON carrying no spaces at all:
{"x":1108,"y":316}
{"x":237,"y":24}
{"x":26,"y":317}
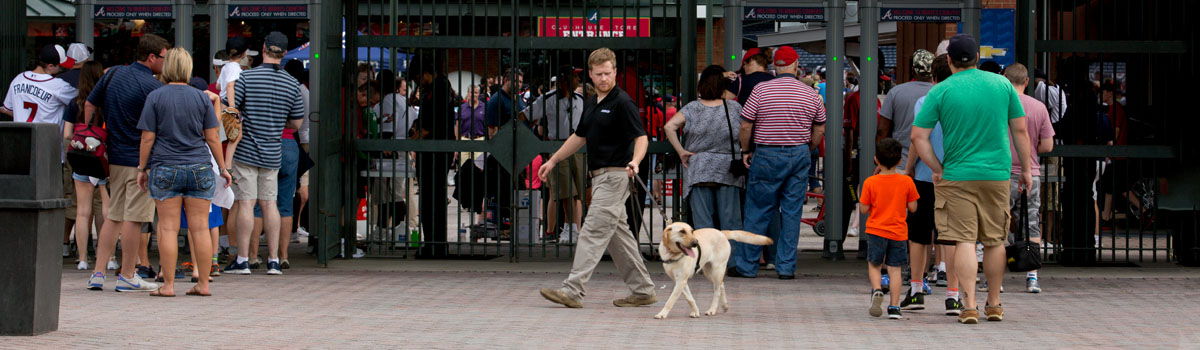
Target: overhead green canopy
{"x":49,"y":8}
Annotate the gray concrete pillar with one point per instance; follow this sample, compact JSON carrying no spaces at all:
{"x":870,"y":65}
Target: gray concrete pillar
{"x":218,"y":28}
{"x":733,"y":34}
{"x":184,"y":9}
{"x":84,"y":23}
{"x":834,"y":171}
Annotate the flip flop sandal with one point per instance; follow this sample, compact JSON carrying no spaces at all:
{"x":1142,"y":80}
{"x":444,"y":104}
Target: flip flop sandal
{"x":195,"y":279}
{"x":193,"y":291}
{"x":158,"y":293}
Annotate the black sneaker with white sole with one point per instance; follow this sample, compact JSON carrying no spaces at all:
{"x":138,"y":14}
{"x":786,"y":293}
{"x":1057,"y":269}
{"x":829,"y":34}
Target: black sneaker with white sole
{"x":913,"y":302}
{"x":894,"y":313}
{"x":953,"y":307}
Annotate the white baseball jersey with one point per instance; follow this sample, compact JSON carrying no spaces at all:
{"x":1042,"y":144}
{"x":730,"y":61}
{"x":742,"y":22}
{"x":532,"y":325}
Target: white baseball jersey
{"x":38,"y":98}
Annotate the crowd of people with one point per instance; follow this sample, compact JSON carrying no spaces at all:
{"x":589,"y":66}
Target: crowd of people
{"x":746,"y":147}
{"x":176,"y":151}
{"x":956,"y":154}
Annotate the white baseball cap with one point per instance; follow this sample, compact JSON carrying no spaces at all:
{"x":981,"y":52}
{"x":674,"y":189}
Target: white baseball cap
{"x":79,"y":52}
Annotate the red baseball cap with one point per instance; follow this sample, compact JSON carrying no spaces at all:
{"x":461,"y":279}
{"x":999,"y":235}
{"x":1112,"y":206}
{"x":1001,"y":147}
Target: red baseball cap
{"x":785,"y":55}
{"x":750,"y":52}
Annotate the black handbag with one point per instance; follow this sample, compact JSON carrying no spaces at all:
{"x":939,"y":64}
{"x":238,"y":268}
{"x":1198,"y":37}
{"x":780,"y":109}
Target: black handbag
{"x":1023,"y":255}
{"x":736,"y":166}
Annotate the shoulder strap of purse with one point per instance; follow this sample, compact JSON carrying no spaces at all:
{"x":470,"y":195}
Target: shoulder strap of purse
{"x":729,"y":122}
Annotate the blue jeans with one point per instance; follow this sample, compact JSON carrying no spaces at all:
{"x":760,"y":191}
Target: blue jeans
{"x":192,"y":181}
{"x":287,"y":180}
{"x":775,"y":186}
{"x":723,"y":203}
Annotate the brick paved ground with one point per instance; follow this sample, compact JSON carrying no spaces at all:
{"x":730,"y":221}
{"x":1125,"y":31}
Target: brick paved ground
{"x":377,"y":303}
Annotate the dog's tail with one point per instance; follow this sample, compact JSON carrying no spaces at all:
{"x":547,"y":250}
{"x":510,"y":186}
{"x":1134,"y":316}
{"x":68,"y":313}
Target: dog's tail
{"x":747,"y":237}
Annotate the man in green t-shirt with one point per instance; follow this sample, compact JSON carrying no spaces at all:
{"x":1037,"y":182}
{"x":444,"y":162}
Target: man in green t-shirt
{"x":979,"y":111}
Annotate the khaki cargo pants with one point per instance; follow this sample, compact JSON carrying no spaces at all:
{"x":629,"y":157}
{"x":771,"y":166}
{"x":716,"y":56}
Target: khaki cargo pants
{"x":605,"y":226}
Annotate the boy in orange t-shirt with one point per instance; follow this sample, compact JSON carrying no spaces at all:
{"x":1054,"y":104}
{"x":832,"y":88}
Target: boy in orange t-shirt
{"x":885,"y":197}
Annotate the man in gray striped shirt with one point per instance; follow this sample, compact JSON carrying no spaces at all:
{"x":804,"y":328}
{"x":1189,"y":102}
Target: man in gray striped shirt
{"x":269,"y":100}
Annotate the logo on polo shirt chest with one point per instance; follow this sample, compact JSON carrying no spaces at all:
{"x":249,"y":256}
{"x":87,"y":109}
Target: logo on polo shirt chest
{"x":605,"y":111}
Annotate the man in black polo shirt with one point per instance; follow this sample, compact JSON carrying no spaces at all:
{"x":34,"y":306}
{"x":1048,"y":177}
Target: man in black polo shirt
{"x":616,"y":144}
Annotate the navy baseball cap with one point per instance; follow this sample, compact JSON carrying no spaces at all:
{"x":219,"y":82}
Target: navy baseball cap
{"x":963,"y":48}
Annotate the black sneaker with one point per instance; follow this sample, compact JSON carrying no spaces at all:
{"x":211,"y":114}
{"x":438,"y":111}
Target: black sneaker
{"x":941,"y":279}
{"x":894,"y":313}
{"x":732,"y":272}
{"x":913,"y":302}
{"x":953,"y":307}
{"x":146,"y":272}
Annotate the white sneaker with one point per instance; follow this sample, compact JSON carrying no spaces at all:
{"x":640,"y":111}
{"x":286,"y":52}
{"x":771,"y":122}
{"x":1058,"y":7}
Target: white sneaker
{"x":83,"y":265}
{"x":113,"y":264}
{"x":66,"y":250}
{"x":135,"y":284}
{"x":359,"y":254}
{"x":769,"y":267}
{"x":853,"y":232}
{"x":295,"y":237}
{"x":300,"y":231}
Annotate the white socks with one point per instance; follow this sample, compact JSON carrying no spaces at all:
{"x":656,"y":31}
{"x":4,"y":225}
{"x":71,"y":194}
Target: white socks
{"x":242,"y":259}
{"x":1031,"y":274}
{"x":942,"y":266}
{"x":915,"y":287}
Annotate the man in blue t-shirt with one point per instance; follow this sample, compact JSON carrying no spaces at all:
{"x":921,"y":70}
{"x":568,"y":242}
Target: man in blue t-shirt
{"x":499,"y":109}
{"x":121,"y":94}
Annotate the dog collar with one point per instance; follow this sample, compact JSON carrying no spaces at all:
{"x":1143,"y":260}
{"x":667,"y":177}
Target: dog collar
{"x":681,"y":255}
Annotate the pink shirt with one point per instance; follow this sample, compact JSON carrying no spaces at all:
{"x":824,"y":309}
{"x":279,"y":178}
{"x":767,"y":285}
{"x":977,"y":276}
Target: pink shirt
{"x":1037,"y":122}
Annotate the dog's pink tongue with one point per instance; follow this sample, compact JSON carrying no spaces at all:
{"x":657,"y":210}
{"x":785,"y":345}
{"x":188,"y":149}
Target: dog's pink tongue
{"x":689,"y":252}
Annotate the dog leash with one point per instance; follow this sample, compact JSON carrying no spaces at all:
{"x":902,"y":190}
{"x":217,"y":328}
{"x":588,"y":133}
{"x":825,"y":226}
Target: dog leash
{"x":662,"y":210}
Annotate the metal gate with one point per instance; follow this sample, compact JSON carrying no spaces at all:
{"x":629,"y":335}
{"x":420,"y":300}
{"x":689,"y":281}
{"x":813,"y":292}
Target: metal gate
{"x":1121,"y":65}
{"x":471,"y":184}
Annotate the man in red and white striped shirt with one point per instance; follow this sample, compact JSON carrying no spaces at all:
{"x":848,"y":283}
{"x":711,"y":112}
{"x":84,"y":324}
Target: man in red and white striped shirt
{"x":786,"y":120}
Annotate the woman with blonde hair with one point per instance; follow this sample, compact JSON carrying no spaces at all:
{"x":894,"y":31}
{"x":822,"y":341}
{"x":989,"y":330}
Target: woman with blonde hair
{"x":177,"y":122}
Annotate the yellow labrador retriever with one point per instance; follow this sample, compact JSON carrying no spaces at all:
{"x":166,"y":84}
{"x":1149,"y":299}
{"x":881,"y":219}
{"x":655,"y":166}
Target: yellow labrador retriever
{"x":684,"y":251}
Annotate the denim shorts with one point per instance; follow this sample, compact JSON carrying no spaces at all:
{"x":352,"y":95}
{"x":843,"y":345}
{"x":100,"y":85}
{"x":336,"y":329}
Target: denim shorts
{"x":191,"y":181}
{"x":82,"y":178}
{"x":879,"y":249}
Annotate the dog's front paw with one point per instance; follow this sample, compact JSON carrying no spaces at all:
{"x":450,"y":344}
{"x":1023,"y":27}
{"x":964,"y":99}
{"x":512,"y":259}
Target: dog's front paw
{"x":710,"y":313}
{"x":694,"y":314}
{"x":660,"y":315}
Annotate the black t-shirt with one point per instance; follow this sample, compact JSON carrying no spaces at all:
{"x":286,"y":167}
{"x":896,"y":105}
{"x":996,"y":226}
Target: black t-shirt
{"x":744,"y":85}
{"x":437,"y":109}
{"x":610,"y":127}
{"x":72,"y":112}
{"x":71,"y":77}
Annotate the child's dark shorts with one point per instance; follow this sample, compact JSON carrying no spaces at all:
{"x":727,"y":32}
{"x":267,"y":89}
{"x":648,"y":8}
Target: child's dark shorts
{"x":879,"y":249}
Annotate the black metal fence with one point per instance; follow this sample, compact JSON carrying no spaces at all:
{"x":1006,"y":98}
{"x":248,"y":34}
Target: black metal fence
{"x":1120,"y":65}
{"x":447,"y":166}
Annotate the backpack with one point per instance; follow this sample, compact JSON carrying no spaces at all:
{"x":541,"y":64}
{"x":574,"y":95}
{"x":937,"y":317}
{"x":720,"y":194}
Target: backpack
{"x":86,"y":152}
